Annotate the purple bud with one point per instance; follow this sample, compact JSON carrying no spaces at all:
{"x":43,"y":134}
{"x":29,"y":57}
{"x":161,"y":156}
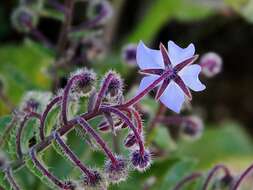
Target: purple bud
{"x":211,"y":64}
{"x":139,"y":161}
{"x":102,"y":10}
{"x":86,"y":84}
{"x":118,"y":172}
{"x":24,"y":19}
{"x":97,"y":182}
{"x":115,"y":87}
{"x":129,"y":53}
{"x":192,"y":127}
{"x":104,"y":126}
{"x":130,"y":141}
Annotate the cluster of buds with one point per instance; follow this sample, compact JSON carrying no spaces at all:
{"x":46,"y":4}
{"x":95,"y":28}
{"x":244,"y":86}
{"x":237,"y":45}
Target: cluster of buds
{"x":172,"y":72}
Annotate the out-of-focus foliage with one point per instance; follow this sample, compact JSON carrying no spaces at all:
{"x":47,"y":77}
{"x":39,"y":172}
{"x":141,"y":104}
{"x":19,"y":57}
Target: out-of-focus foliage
{"x":24,"y":67}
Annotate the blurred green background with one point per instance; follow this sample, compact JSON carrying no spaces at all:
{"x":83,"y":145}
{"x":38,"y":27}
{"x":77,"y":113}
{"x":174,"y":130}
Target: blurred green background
{"x":225,"y":27}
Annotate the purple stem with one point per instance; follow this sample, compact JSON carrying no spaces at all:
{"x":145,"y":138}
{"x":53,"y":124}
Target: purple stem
{"x":71,"y":155}
{"x":135,"y":99}
{"x":103,"y":90}
{"x":87,"y":128}
{"x":41,"y":37}
{"x":213,"y":171}
{"x":57,"y":5}
{"x":11,"y":180}
{"x":64,"y":109}
{"x":46,"y":172}
{"x":187,"y":179}
{"x":20,"y":130}
{"x":44,"y":115}
{"x":243,"y":176}
{"x":128,"y":122}
{"x":90,"y":23}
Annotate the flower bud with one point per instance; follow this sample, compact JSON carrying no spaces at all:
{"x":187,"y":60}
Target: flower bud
{"x":85,"y":84}
{"x":101,"y":9}
{"x":34,"y":101}
{"x":23,"y":19}
{"x":104,"y":126}
{"x":116,"y":173}
{"x":192,"y":127}
{"x":129,"y":53}
{"x":211,"y":64}
{"x":97,"y":183}
{"x":115,"y":87}
{"x":141,"y":162}
{"x":130,"y":141}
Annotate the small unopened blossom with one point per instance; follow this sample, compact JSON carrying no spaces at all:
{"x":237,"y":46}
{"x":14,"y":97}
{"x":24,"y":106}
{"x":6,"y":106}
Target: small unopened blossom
{"x":192,"y":127}
{"x":34,"y":101}
{"x":129,"y":53}
{"x":141,"y":162}
{"x":118,"y":172}
{"x":177,"y":63}
{"x":24,"y":19}
{"x":115,"y":86}
{"x":102,"y":10}
{"x":211,"y":64}
{"x":86,"y":84}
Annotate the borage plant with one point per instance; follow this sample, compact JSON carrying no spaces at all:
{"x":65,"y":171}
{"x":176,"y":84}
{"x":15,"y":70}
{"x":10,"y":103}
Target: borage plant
{"x":169,"y":71}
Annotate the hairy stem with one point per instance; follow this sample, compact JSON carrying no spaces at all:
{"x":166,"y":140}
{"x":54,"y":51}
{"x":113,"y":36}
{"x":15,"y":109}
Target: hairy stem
{"x":11,"y":180}
{"x":213,"y":171}
{"x":139,"y":96}
{"x":242,"y":177}
{"x":187,"y":179}
{"x":103,"y":90}
{"x":46,"y":172}
{"x":128,"y":122}
{"x":20,"y":130}
{"x":86,"y":127}
{"x":73,"y":158}
{"x":64,"y":108}
{"x":44,"y":115}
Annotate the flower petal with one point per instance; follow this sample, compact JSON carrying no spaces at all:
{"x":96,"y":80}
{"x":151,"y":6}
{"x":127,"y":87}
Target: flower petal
{"x":146,"y":81}
{"x":178,"y":54}
{"x":190,"y":76}
{"x":148,"y":58}
{"x":173,"y":97}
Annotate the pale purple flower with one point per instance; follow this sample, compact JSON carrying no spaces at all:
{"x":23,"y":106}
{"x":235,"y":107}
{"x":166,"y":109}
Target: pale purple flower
{"x":173,"y":89}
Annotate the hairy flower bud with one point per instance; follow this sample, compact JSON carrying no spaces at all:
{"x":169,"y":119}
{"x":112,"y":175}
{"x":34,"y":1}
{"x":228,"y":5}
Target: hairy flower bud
{"x":101,"y":9}
{"x":118,"y":172}
{"x":115,"y":87}
{"x":192,"y":127}
{"x":24,"y":19}
{"x":129,"y":53}
{"x":97,"y":183}
{"x":211,"y":64}
{"x":141,"y":162}
{"x":130,"y":141}
{"x":85,"y":84}
{"x":34,"y":101}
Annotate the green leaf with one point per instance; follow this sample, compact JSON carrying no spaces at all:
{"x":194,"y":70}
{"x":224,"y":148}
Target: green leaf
{"x":3,"y":182}
{"x":30,"y":165}
{"x":28,"y":64}
{"x":217,"y":145}
{"x":4,"y":121}
{"x":177,"y":172}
